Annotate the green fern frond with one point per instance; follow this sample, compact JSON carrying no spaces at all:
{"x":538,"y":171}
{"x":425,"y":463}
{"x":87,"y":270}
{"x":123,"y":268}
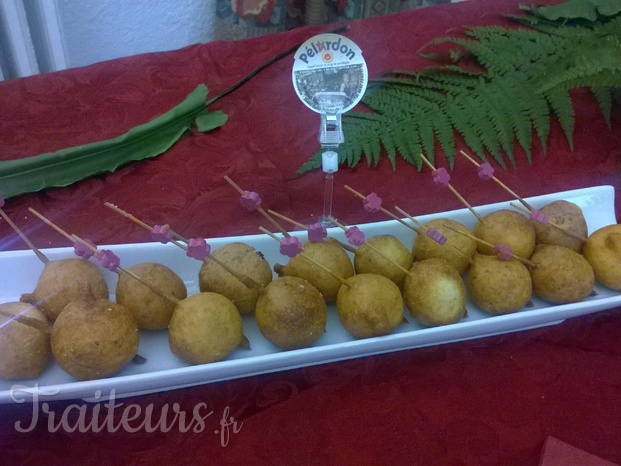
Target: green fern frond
{"x":487,"y":54}
{"x":461,"y":116}
{"x":526,"y":76}
{"x":501,"y":114}
{"x":394,"y":100}
{"x":444,"y":132}
{"x":559,"y":100}
{"x":426,"y":136}
{"x":409,"y":149}
{"x":314,"y":163}
{"x":603,"y":95}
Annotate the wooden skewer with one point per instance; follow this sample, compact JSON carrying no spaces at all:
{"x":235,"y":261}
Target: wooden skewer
{"x":51,"y":224}
{"x":312,"y":261}
{"x":260,"y":209}
{"x":454,"y":191}
{"x":29,"y":321}
{"x":521,"y":259}
{"x":137,"y":221}
{"x":120,"y":269}
{"x":373,"y":248}
{"x":347,"y":247}
{"x":528,"y":207}
{"x":337,"y":223}
{"x":42,"y":257}
{"x":500,"y":183}
{"x":425,"y":228}
{"x":552,"y":224}
{"x":95,"y":251}
{"x":385,"y":211}
{"x":247,"y":281}
{"x":410,"y":218}
{"x":287,"y":219}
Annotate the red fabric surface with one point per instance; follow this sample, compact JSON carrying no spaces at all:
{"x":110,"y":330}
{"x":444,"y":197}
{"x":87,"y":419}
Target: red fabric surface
{"x":557,"y":453}
{"x":488,"y":401}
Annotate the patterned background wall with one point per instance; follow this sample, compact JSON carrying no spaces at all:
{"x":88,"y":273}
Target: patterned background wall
{"x":238,"y":19}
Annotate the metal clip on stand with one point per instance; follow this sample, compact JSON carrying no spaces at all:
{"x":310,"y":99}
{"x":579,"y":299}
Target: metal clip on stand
{"x":330,"y":77}
{"x":330,"y":136}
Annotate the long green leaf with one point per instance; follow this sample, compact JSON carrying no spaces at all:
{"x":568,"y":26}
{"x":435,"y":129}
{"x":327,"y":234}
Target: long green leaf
{"x":66,"y":166}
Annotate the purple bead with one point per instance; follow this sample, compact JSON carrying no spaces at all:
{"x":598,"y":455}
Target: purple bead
{"x":108,"y":260}
{"x":355,"y":236}
{"x":485,"y":171}
{"x":250,"y":200}
{"x":290,"y":246}
{"x":317,"y":233}
{"x":198,"y":249}
{"x":372,"y":203}
{"x":441,"y":176}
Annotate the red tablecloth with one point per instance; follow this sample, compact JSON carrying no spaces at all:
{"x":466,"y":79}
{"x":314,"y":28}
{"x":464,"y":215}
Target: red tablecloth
{"x":488,"y":401}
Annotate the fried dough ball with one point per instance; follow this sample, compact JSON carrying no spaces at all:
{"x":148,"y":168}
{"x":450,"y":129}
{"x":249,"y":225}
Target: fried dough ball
{"x":64,"y":280}
{"x":603,"y":251}
{"x":92,"y":339}
{"x":205,"y":327}
{"x":435,"y":293}
{"x":569,"y":217}
{"x":151,"y":310}
{"x":370,"y":305}
{"x":498,"y":286}
{"x":326,"y":253}
{"x":457,"y":250}
{"x":291,"y":313}
{"x":25,"y":350}
{"x":245,"y":261}
{"x":508,"y":227}
{"x":391,"y":252}
{"x":561,"y":275}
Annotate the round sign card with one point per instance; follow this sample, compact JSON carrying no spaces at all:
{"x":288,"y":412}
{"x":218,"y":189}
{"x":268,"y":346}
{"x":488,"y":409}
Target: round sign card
{"x":329,"y":73}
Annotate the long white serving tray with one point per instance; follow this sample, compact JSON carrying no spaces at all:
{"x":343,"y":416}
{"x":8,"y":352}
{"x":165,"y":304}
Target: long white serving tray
{"x":163,"y":371}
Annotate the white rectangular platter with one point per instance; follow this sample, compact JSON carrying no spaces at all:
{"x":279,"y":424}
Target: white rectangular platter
{"x":163,"y":371}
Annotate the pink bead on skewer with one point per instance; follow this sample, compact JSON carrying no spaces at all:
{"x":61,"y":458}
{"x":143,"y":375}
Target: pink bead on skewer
{"x":82,"y":251}
{"x":538,"y":216}
{"x":441,"y":176}
{"x":502,"y":251}
{"x":161,"y":233}
{"x":436,"y":236}
{"x":197,"y":248}
{"x":108,"y":260}
{"x":370,"y":199}
{"x":355,"y":236}
{"x":290,"y":246}
{"x":317,"y":232}
{"x":485,"y":171}
{"x":372,"y":203}
{"x":250,"y":200}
